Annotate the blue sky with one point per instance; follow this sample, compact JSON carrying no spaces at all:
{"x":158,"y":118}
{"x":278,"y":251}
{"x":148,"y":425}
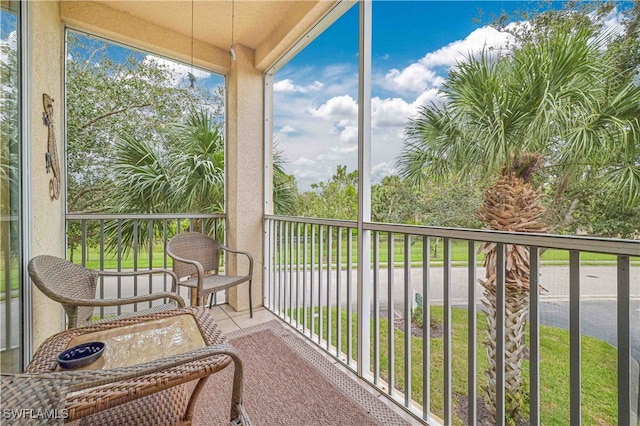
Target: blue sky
{"x":415,"y":44}
{"x":315,"y":105}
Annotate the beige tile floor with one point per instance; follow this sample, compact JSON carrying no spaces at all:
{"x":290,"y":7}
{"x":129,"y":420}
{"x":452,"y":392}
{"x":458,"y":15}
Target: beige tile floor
{"x":229,"y":320}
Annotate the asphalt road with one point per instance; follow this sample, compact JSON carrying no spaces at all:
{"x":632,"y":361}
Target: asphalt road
{"x":598,"y":319}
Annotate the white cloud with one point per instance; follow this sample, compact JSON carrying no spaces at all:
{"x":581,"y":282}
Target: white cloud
{"x":302,"y":161}
{"x":336,"y":107}
{"x":613,"y":22}
{"x":287,"y":85}
{"x":349,"y":135}
{"x":428,"y":97}
{"x":346,"y":149}
{"x":287,"y":129}
{"x":414,"y":78}
{"x":381,"y":170}
{"x":423,"y":75}
{"x":390,"y":112}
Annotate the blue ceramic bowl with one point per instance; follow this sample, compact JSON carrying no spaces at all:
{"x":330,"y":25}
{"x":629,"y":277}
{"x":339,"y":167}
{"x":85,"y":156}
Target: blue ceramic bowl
{"x":81,"y":355}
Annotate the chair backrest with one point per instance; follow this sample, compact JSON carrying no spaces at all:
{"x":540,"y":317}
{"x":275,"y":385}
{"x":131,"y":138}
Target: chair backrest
{"x":61,"y":280}
{"x":194,"y":246}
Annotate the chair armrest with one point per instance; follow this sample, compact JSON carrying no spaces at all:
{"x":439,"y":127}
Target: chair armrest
{"x":141,"y":272}
{"x":246,"y":253}
{"x":101,"y":377}
{"x":124,"y":300}
{"x":198,"y":265}
{"x":49,"y":389}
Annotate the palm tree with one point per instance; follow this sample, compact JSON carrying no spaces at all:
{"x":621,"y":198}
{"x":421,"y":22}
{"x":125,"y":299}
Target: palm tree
{"x":198,"y":165}
{"x":285,"y":190}
{"x":557,"y":104}
{"x":183,"y":174}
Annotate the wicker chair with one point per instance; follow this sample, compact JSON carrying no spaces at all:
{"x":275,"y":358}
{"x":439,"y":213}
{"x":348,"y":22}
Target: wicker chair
{"x":47,"y":392}
{"x":75,"y":288}
{"x":196,"y":262}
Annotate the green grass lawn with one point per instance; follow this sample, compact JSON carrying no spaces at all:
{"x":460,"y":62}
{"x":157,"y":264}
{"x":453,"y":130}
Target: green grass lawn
{"x":599,"y":368}
{"x":459,"y":255}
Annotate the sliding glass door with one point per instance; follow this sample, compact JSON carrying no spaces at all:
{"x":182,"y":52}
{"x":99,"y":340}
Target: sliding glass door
{"x":11,"y":254}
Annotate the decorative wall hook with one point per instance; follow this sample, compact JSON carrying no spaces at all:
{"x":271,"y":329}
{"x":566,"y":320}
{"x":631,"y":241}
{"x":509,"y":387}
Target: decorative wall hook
{"x":51,"y":156}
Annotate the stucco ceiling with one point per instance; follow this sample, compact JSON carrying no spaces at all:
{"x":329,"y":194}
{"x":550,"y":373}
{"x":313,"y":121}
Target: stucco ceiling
{"x":261,"y":25}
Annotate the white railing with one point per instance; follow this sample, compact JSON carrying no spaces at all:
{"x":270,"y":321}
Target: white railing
{"x":311,"y":283}
{"x":132,"y":242}
{"x":10,"y":297}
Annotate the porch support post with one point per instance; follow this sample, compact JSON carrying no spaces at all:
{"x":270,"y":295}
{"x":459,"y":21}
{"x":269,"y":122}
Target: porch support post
{"x":364,"y":192}
{"x":245,"y":172}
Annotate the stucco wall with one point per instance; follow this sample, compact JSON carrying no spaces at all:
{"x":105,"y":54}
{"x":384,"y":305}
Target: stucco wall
{"x":47,"y":221}
{"x":245,"y":171}
{"x":245,"y":154}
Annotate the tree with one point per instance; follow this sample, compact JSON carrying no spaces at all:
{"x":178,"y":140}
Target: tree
{"x":285,"y":190}
{"x":184,"y":175}
{"x":335,"y":199}
{"x":116,"y":94}
{"x":435,"y":203}
{"x":394,"y":201}
{"x":557,"y":102}
{"x":10,"y":158}
{"x":109,"y":98}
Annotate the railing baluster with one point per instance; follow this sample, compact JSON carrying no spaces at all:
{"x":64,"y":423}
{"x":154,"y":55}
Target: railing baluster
{"x":446,"y":247}
{"x":338,"y":291}
{"x":320,"y":253}
{"x":83,"y":224}
{"x":150,"y":264}
{"x":270,"y":263}
{"x":574,"y":337}
{"x":312,"y":277}
{"x":534,"y":336}
{"x":297,"y":274}
{"x":408,"y":297}
{"x":624,"y":347}
{"x":286,"y":251}
{"x":6,"y":225}
{"x":390,"y":314}
{"x":500,"y":333}
{"x":102,"y":265}
{"x":279,"y":268}
{"x":426,"y":327}
{"x":165,"y":241}
{"x":276,"y":254}
{"x":290,"y":239}
{"x":471,"y":336}
{"x":119,"y":262}
{"x":282,"y":268}
{"x":305,"y":260}
{"x":268,"y":273}
{"x":349,"y":293}
{"x":135,"y":262}
{"x":376,"y":308}
{"x":328,"y":295}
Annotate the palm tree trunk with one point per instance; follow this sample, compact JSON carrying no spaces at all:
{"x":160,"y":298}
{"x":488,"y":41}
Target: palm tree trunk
{"x":516,"y":311}
{"x":509,"y":205}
